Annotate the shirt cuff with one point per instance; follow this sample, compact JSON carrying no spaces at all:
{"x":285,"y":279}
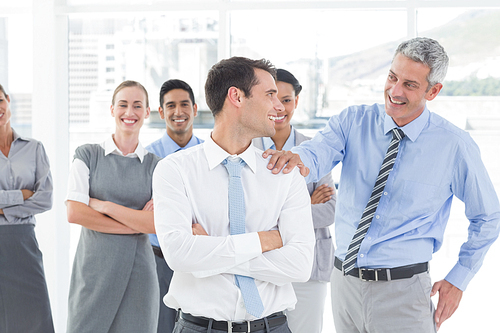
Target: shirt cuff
{"x":460,"y":276}
{"x":12,"y":198}
{"x":76,"y":196}
{"x":247,"y":246}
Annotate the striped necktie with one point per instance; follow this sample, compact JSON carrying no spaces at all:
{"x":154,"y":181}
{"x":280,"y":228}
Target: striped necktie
{"x":371,"y":207}
{"x":236,"y":200}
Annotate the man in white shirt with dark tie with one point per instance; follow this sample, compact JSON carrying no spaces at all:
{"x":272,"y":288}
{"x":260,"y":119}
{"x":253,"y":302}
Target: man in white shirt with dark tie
{"x":223,"y":281}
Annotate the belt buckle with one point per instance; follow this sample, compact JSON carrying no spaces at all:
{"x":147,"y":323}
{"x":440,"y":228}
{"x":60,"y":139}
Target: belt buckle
{"x":230,"y":326}
{"x":361,"y":277}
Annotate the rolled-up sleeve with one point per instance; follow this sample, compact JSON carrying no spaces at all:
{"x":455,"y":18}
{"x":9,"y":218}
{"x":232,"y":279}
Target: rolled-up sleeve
{"x":78,"y":182}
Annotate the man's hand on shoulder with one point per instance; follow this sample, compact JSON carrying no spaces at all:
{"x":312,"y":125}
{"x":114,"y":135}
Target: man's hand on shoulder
{"x":449,"y":299}
{"x":270,"y":240}
{"x":280,"y":158}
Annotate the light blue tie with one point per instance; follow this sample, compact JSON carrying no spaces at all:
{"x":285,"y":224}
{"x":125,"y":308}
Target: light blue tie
{"x":251,"y":297}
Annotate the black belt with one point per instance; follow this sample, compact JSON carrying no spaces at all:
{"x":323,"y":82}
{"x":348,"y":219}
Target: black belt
{"x":385,"y":274}
{"x":157,"y":251}
{"x":273,"y":320}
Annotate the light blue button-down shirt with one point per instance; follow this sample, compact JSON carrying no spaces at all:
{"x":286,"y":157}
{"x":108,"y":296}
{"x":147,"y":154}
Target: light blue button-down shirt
{"x":268,"y":143}
{"x":162,"y":148}
{"x":436,"y":161}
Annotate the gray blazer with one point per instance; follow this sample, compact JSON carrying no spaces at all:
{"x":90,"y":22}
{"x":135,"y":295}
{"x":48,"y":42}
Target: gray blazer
{"x":323,"y":216}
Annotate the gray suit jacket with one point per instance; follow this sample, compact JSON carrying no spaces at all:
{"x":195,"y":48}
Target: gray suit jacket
{"x":323,"y":216}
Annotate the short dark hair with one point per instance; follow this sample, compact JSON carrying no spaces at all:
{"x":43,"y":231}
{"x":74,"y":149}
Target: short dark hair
{"x":128,"y":84}
{"x":3,"y":90}
{"x":236,"y":72}
{"x":175,"y":84}
{"x":285,"y":76}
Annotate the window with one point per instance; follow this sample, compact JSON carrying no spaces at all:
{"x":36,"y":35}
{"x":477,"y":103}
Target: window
{"x":339,"y":50}
{"x":16,"y":66}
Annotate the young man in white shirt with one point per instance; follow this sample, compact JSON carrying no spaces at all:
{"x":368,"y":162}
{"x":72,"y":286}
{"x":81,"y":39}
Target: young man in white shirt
{"x":191,"y":199}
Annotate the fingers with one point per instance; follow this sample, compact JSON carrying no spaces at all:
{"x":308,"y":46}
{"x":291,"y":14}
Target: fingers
{"x":198,"y":230}
{"x":284,"y":160}
{"x":449,"y":299}
{"x":97,"y":205}
{"x":93,"y":202}
{"x":27,"y":194}
{"x":321,"y":194}
{"x":277,"y":160}
{"x":435,"y":288}
{"x":304,"y":171}
{"x":270,"y":240}
{"x":268,"y":152}
{"x":149,"y":206}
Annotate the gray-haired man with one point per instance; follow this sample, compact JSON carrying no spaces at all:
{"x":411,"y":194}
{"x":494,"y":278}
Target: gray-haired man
{"x":382,"y":283}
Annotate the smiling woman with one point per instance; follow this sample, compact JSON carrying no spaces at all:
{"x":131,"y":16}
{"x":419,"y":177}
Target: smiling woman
{"x":109,"y":195}
{"x":25,"y":190}
{"x":308,"y":313}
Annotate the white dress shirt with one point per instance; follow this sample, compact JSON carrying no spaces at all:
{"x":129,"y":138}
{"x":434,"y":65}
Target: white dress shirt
{"x":79,"y":173}
{"x":191,"y":186}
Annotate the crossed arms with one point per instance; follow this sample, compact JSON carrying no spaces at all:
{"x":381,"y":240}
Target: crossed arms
{"x":269,"y":255}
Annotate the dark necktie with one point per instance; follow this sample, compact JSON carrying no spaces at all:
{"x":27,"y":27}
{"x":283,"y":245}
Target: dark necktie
{"x":371,"y":207}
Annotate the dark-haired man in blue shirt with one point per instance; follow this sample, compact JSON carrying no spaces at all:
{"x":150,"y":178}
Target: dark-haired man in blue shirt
{"x":178,"y":109}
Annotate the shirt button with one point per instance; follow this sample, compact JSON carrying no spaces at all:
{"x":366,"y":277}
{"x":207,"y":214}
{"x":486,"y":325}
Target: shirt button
{"x":369,"y":238}
{"x":242,"y":304}
{"x":362,"y":255}
{"x":377,"y":217}
{"x":385,"y":193}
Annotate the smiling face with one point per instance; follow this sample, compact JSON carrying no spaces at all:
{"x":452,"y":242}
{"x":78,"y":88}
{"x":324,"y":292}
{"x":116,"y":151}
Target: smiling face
{"x":5,"y":113}
{"x":130,"y":110}
{"x":262,"y":107}
{"x":286,"y":95}
{"x":179,"y":112}
{"x":406,"y":90}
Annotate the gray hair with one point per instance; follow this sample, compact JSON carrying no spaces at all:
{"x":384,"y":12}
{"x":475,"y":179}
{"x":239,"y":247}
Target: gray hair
{"x":428,"y":52}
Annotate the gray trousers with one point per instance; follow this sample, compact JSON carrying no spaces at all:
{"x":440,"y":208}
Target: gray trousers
{"x":166,"y":319}
{"x":307,"y":317}
{"x":399,"y":306}
{"x":182,"y":326}
{"x":24,"y":300}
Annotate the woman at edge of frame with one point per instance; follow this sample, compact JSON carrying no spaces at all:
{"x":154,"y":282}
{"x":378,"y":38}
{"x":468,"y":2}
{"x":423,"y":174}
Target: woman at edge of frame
{"x":25,"y":190}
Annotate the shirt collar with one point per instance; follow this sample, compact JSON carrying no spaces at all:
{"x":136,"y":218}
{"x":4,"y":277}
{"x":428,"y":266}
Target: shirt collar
{"x":169,"y":145}
{"x":215,"y":155}
{"x":413,"y":129}
{"x":268,"y":143}
{"x":172,"y":146}
{"x":16,"y":136}
{"x":110,"y":147}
